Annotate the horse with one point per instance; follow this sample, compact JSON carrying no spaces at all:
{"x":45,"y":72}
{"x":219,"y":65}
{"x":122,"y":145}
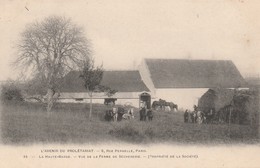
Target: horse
{"x":155,"y":104}
{"x":162,"y":104}
{"x":172,"y":105}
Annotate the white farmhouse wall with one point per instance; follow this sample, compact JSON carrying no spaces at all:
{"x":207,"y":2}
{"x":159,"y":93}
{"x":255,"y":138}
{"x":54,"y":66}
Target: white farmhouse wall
{"x":146,"y":77}
{"x":70,"y":100}
{"x":130,"y":98}
{"x":184,"y":98}
{"x":132,"y":102}
{"x":118,"y":95}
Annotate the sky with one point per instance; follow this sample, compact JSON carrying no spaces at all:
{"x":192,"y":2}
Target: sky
{"x":123,"y":32}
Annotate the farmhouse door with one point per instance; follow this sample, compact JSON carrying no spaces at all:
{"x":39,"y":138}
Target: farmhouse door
{"x":145,"y":100}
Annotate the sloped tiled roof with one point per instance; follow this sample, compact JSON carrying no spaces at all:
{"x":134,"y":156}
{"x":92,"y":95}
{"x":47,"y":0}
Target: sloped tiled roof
{"x":181,"y":73}
{"x":122,"y":81}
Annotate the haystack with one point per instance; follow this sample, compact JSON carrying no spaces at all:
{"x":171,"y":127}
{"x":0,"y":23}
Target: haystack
{"x":216,"y":99}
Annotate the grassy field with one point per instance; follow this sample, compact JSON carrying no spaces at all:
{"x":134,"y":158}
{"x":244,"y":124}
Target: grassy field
{"x":26,"y":123}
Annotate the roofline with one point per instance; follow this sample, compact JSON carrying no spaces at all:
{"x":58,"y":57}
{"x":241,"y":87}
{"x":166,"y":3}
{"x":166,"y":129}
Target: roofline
{"x":148,"y":91}
{"x":186,"y":59}
{"x":199,"y":87}
{"x":133,"y":70}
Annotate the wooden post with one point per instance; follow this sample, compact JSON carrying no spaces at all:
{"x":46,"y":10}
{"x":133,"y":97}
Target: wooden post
{"x":229,"y":120}
{"x":90,"y":106}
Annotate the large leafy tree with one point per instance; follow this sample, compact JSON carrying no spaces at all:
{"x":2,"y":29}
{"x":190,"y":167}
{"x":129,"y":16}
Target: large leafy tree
{"x":49,"y":49}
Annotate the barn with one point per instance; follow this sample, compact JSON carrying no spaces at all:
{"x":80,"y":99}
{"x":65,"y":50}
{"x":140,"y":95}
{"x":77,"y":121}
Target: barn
{"x":129,"y":85}
{"x":184,"y":81}
{"x":181,"y":81}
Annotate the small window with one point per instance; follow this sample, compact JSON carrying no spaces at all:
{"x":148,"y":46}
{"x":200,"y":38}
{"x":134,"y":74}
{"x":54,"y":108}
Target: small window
{"x":79,"y":99}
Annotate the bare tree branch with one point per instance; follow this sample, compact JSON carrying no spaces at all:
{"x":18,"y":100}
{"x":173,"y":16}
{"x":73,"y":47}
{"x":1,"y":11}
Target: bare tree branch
{"x":51,"y":48}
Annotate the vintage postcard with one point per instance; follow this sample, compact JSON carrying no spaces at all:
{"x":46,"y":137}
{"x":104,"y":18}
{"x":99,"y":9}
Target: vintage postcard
{"x":95,"y":83}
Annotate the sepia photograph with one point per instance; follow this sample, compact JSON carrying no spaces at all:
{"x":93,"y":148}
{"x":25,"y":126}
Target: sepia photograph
{"x":129,"y":83}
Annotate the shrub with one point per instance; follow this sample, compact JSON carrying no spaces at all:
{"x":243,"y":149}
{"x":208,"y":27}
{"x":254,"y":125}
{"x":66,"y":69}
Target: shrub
{"x":11,"y":92}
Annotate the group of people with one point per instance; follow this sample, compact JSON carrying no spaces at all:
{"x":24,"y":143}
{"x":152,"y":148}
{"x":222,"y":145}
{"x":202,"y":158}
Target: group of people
{"x":197,"y":116}
{"x":119,"y":113}
{"x":146,"y":113}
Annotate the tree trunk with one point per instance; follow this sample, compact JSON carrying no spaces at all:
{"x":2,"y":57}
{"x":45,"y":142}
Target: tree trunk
{"x":90,"y":106}
{"x":50,"y":99}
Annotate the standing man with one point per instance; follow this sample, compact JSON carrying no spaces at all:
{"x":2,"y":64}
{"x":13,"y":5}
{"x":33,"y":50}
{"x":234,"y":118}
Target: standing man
{"x":186,"y":116}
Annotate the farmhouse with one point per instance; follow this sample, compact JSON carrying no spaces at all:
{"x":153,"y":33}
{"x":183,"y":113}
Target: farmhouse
{"x":181,"y":81}
{"x":184,"y":81}
{"x":128,"y":84}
